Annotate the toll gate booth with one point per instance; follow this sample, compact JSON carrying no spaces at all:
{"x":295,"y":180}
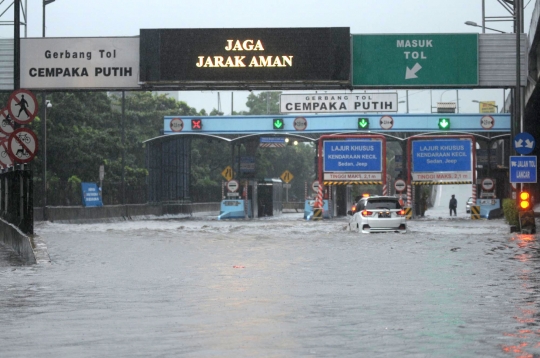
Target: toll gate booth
{"x":269,"y":196}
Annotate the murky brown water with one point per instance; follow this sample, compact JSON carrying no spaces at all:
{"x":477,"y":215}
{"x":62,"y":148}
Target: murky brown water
{"x":281,"y":287}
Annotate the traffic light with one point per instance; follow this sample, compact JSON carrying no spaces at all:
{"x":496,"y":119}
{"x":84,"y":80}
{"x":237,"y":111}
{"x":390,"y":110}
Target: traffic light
{"x":363,"y":123}
{"x":444,"y":123}
{"x":277,"y":123}
{"x":524,"y":201}
{"x":196,"y":124}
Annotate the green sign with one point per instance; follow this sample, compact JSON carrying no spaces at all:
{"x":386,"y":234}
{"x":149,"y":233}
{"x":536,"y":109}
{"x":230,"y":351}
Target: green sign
{"x":415,"y":60}
{"x":277,"y":123}
{"x":444,"y":123}
{"x":363,"y":123}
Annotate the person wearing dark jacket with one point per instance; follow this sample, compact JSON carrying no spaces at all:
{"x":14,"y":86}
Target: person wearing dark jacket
{"x":453,"y":205}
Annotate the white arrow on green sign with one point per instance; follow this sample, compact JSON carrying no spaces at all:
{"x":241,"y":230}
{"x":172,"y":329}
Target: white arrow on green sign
{"x":415,"y":60}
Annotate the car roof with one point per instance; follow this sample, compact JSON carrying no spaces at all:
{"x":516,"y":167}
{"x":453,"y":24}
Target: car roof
{"x":381,"y":197}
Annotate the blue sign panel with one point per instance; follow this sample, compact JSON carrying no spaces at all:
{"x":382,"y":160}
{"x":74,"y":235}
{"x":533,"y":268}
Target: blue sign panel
{"x":352,"y":156}
{"x":524,"y":143}
{"x":272,"y":140}
{"x":91,"y":195}
{"x":523,"y":169}
{"x":447,"y":155}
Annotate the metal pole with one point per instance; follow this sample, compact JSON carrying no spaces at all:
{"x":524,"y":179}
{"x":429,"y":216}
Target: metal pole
{"x":407,"y":96}
{"x":17,"y":47}
{"x":44,"y":136}
{"x":123,"y":149}
{"x":483,"y":16}
{"x":44,"y":149}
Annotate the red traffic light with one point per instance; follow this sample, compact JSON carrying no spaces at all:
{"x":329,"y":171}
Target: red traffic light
{"x":196,"y":124}
{"x":524,"y":201}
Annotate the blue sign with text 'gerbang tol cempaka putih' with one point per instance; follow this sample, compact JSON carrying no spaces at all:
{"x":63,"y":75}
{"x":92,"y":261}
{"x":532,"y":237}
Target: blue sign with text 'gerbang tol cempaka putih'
{"x":441,"y":155}
{"x":352,"y":156}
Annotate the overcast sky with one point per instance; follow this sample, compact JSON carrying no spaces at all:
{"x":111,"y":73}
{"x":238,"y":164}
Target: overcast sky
{"x":96,"y":18}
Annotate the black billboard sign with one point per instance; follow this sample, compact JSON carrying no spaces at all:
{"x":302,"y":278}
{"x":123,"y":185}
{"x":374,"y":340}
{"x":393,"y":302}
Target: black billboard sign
{"x":245,"y":56}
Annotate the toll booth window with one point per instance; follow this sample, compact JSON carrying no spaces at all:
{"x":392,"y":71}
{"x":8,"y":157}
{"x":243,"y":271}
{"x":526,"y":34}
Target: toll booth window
{"x":383,"y":204}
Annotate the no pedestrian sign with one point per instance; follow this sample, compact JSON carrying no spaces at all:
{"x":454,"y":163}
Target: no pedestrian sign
{"x":22,"y":106}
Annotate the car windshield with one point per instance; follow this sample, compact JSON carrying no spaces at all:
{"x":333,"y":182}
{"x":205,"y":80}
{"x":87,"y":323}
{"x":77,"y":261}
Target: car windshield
{"x":382,"y":204}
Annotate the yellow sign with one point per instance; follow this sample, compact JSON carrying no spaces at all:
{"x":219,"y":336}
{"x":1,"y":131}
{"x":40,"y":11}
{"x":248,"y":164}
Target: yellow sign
{"x":287,"y":176}
{"x":487,"y":107}
{"x":228,"y":173}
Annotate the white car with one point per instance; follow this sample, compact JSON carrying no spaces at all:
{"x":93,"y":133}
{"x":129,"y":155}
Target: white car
{"x":378,"y":214}
{"x":468,"y":205}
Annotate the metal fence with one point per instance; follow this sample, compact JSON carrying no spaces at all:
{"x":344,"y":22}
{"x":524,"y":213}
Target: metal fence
{"x":16,"y":199}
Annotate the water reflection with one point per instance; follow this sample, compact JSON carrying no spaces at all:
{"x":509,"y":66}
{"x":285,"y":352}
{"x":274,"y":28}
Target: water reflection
{"x":527,"y":340}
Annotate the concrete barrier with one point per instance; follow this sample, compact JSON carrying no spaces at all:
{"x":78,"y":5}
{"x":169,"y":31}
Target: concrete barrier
{"x":112,"y":213}
{"x":12,"y":237}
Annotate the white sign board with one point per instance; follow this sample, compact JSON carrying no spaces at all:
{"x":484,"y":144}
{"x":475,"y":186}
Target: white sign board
{"x":84,"y":62}
{"x":442,"y":177}
{"x":352,"y":176}
{"x":338,"y":102}
{"x":233,"y":185}
{"x":487,"y":184}
{"x":315,"y":186}
{"x":400,"y":185}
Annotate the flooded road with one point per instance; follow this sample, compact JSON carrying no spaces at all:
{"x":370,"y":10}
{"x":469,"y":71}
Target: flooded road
{"x":275,"y":287}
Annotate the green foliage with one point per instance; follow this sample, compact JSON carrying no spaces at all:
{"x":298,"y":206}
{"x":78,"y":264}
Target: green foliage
{"x":511,"y":213}
{"x":263,"y":103}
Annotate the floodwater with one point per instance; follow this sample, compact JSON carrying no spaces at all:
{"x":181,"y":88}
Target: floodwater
{"x":274,"y":287}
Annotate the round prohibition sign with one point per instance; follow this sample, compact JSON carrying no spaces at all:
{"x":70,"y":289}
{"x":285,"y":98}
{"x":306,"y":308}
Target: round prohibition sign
{"x":487,"y":184}
{"x":487,"y":122}
{"x":22,"y":106}
{"x":22,"y":145}
{"x":6,"y":124}
{"x":300,"y":123}
{"x":386,"y":122}
{"x":176,"y":125}
{"x":233,"y":185}
{"x":5,"y":157}
{"x":400,"y":185}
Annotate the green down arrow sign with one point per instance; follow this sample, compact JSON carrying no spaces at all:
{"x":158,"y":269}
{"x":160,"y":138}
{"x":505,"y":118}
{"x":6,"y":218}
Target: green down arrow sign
{"x":278,"y":123}
{"x":444,"y":123}
{"x":363,"y":123}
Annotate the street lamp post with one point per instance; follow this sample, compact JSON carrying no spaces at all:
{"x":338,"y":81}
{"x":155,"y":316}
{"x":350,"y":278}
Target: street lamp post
{"x":46,"y":104}
{"x":472,"y":23}
{"x":457,"y":98}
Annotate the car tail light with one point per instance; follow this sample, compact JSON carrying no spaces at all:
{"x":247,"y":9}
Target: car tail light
{"x":401,"y":213}
{"x":367,"y":213}
{"x":353,"y":209}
